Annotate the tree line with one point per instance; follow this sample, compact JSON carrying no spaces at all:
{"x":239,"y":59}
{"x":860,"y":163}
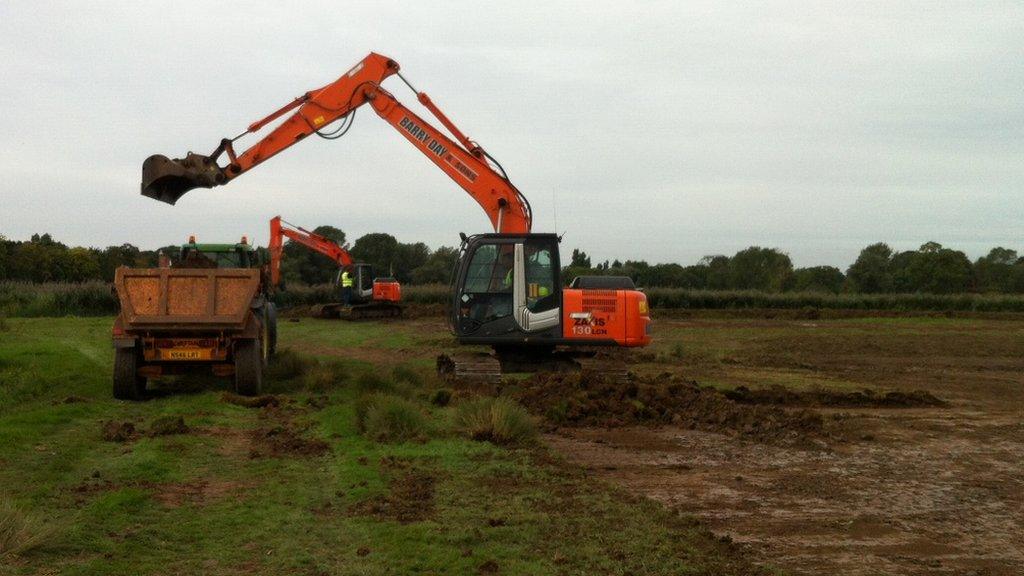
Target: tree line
{"x":879,"y":269}
{"x":931,"y":269}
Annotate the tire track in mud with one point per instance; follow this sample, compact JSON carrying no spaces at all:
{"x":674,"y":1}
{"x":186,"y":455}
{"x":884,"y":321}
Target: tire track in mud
{"x":937,"y":492}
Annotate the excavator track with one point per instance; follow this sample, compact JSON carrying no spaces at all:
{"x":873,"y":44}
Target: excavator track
{"x":489,"y":368}
{"x":469,"y":368}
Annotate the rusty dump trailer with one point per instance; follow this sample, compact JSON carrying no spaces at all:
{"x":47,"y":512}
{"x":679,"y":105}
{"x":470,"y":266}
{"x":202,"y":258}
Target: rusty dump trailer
{"x":177,"y":320}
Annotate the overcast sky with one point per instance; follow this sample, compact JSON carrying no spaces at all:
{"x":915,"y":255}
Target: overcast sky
{"x":657,"y":130}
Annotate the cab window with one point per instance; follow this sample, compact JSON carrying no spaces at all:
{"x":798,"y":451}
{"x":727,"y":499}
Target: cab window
{"x":487,"y":293}
{"x":541,"y":277}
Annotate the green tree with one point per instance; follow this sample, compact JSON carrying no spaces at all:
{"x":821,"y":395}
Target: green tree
{"x":997,"y":271}
{"x":579,"y":259}
{"x":5,"y":248}
{"x":438,"y":267}
{"x":717,"y":275}
{"x":871,"y":273}
{"x":111,"y":257}
{"x":938,"y":270}
{"x":818,"y":279}
{"x":408,"y":257}
{"x":81,"y":264}
{"x":759,"y":268}
{"x":378,"y":249}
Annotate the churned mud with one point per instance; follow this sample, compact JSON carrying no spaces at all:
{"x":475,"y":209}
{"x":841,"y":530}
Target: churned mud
{"x":920,"y":469}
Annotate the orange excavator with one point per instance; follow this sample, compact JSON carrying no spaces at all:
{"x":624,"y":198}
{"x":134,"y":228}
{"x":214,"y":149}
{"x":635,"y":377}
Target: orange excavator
{"x":372,"y":296}
{"x":507,"y":289}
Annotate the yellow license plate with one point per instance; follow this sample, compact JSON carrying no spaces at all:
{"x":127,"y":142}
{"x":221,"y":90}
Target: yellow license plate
{"x":186,"y":354}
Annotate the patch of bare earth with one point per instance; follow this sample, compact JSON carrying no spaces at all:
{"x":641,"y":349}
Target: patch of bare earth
{"x":281,"y":434}
{"x":199,"y":492}
{"x":901,"y":485}
{"x":410,"y":495}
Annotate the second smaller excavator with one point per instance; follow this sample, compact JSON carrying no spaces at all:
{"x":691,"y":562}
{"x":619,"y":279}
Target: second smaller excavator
{"x":372,"y":297}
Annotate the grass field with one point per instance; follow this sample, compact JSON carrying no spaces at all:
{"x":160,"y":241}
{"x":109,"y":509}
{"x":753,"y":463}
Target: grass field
{"x":296,"y":489}
{"x":362,"y":467}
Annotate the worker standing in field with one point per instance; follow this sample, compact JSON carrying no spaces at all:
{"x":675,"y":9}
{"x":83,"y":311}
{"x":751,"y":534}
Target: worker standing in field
{"x":346,"y":287}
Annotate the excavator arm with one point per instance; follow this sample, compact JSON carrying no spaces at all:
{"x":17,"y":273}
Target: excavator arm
{"x":463,"y":161}
{"x":311,"y":240}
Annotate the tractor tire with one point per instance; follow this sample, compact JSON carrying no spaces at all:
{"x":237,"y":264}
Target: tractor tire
{"x":272,"y":327}
{"x":128,"y":385}
{"x":248,"y":367}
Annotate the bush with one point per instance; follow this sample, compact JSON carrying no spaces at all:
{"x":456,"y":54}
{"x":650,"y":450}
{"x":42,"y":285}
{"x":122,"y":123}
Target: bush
{"x":21,"y":532}
{"x":406,"y":375}
{"x":371,"y":382}
{"x":25,"y":299}
{"x":325,"y":376}
{"x":288,"y":365}
{"x":389,"y":418}
{"x":498,"y":420}
{"x":441,"y":397}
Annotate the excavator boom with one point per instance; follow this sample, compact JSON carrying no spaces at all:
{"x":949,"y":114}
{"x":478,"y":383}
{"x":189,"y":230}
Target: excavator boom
{"x":464,"y":161}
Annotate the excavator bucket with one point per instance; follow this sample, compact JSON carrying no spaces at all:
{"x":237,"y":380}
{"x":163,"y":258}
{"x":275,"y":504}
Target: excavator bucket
{"x":168,"y":180}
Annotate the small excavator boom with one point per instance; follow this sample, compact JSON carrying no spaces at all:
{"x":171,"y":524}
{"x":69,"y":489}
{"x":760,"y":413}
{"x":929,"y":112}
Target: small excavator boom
{"x":372,"y":297}
{"x":311,"y":240}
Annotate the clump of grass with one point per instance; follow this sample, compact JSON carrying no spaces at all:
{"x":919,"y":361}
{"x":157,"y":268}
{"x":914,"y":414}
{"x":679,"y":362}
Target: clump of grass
{"x":498,"y":420}
{"x":372,"y":382}
{"x":390,"y":418}
{"x":3,"y":324}
{"x":406,"y":375}
{"x":288,"y":365}
{"x":441,"y":397}
{"x":324,"y":377}
{"x":21,"y":532}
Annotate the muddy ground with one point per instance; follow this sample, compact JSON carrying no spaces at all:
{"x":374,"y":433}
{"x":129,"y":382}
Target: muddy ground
{"x":897,"y":484}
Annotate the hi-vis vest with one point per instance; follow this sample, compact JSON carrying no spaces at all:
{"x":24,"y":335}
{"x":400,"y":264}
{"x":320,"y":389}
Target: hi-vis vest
{"x":346,"y":280}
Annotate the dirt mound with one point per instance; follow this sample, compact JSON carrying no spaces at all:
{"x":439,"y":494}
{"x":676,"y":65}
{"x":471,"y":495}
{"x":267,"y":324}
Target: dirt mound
{"x":113,"y":431}
{"x":167,"y":426}
{"x":284,"y":439}
{"x":410,"y":498}
{"x":250,"y":401}
{"x":866,"y":398}
{"x":590,"y":399}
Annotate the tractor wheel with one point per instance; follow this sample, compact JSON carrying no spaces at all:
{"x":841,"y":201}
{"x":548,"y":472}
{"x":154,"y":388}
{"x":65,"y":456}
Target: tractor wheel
{"x":272,"y":327}
{"x":128,"y":385}
{"x":248,"y":367}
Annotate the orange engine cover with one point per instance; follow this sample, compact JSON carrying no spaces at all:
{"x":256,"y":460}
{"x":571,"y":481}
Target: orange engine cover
{"x":387,"y":291}
{"x":619,"y":315}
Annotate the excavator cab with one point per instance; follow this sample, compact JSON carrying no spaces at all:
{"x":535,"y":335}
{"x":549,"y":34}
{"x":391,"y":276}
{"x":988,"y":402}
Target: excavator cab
{"x":508,"y":286}
{"x":508,"y":293}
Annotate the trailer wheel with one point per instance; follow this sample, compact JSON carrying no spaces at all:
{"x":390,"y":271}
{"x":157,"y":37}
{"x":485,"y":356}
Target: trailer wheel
{"x":272,"y":327}
{"x":128,"y":385}
{"x":248,"y":367}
